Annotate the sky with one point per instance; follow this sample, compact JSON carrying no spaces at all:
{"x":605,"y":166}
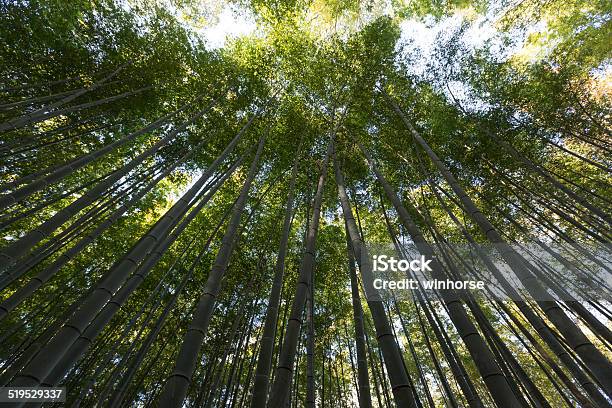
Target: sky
{"x":232,"y":23}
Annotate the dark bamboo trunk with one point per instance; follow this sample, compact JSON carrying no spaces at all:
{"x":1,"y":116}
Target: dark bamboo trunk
{"x":282,"y":380}
{"x":400,"y":384}
{"x":264,"y":362}
{"x":175,"y":388}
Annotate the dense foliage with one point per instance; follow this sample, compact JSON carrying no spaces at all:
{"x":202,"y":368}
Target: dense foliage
{"x":151,"y":183}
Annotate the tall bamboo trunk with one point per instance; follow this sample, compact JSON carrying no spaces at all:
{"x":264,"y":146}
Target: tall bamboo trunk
{"x":175,"y":388}
{"x":68,"y":168}
{"x":282,"y":380}
{"x":12,"y":252}
{"x":34,"y":116}
{"x":485,"y":361}
{"x":38,"y":369}
{"x":125,"y":381}
{"x":264,"y":362}
{"x":363,"y":377}
{"x":310,"y":350}
{"x":400,"y":384}
{"x":599,"y":365}
{"x":70,"y":109}
{"x":41,"y":278}
{"x":110,"y":309}
{"x":534,"y":319}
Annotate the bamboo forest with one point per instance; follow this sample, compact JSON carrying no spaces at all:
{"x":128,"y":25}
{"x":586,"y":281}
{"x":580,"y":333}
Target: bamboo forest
{"x":306,"y":203}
